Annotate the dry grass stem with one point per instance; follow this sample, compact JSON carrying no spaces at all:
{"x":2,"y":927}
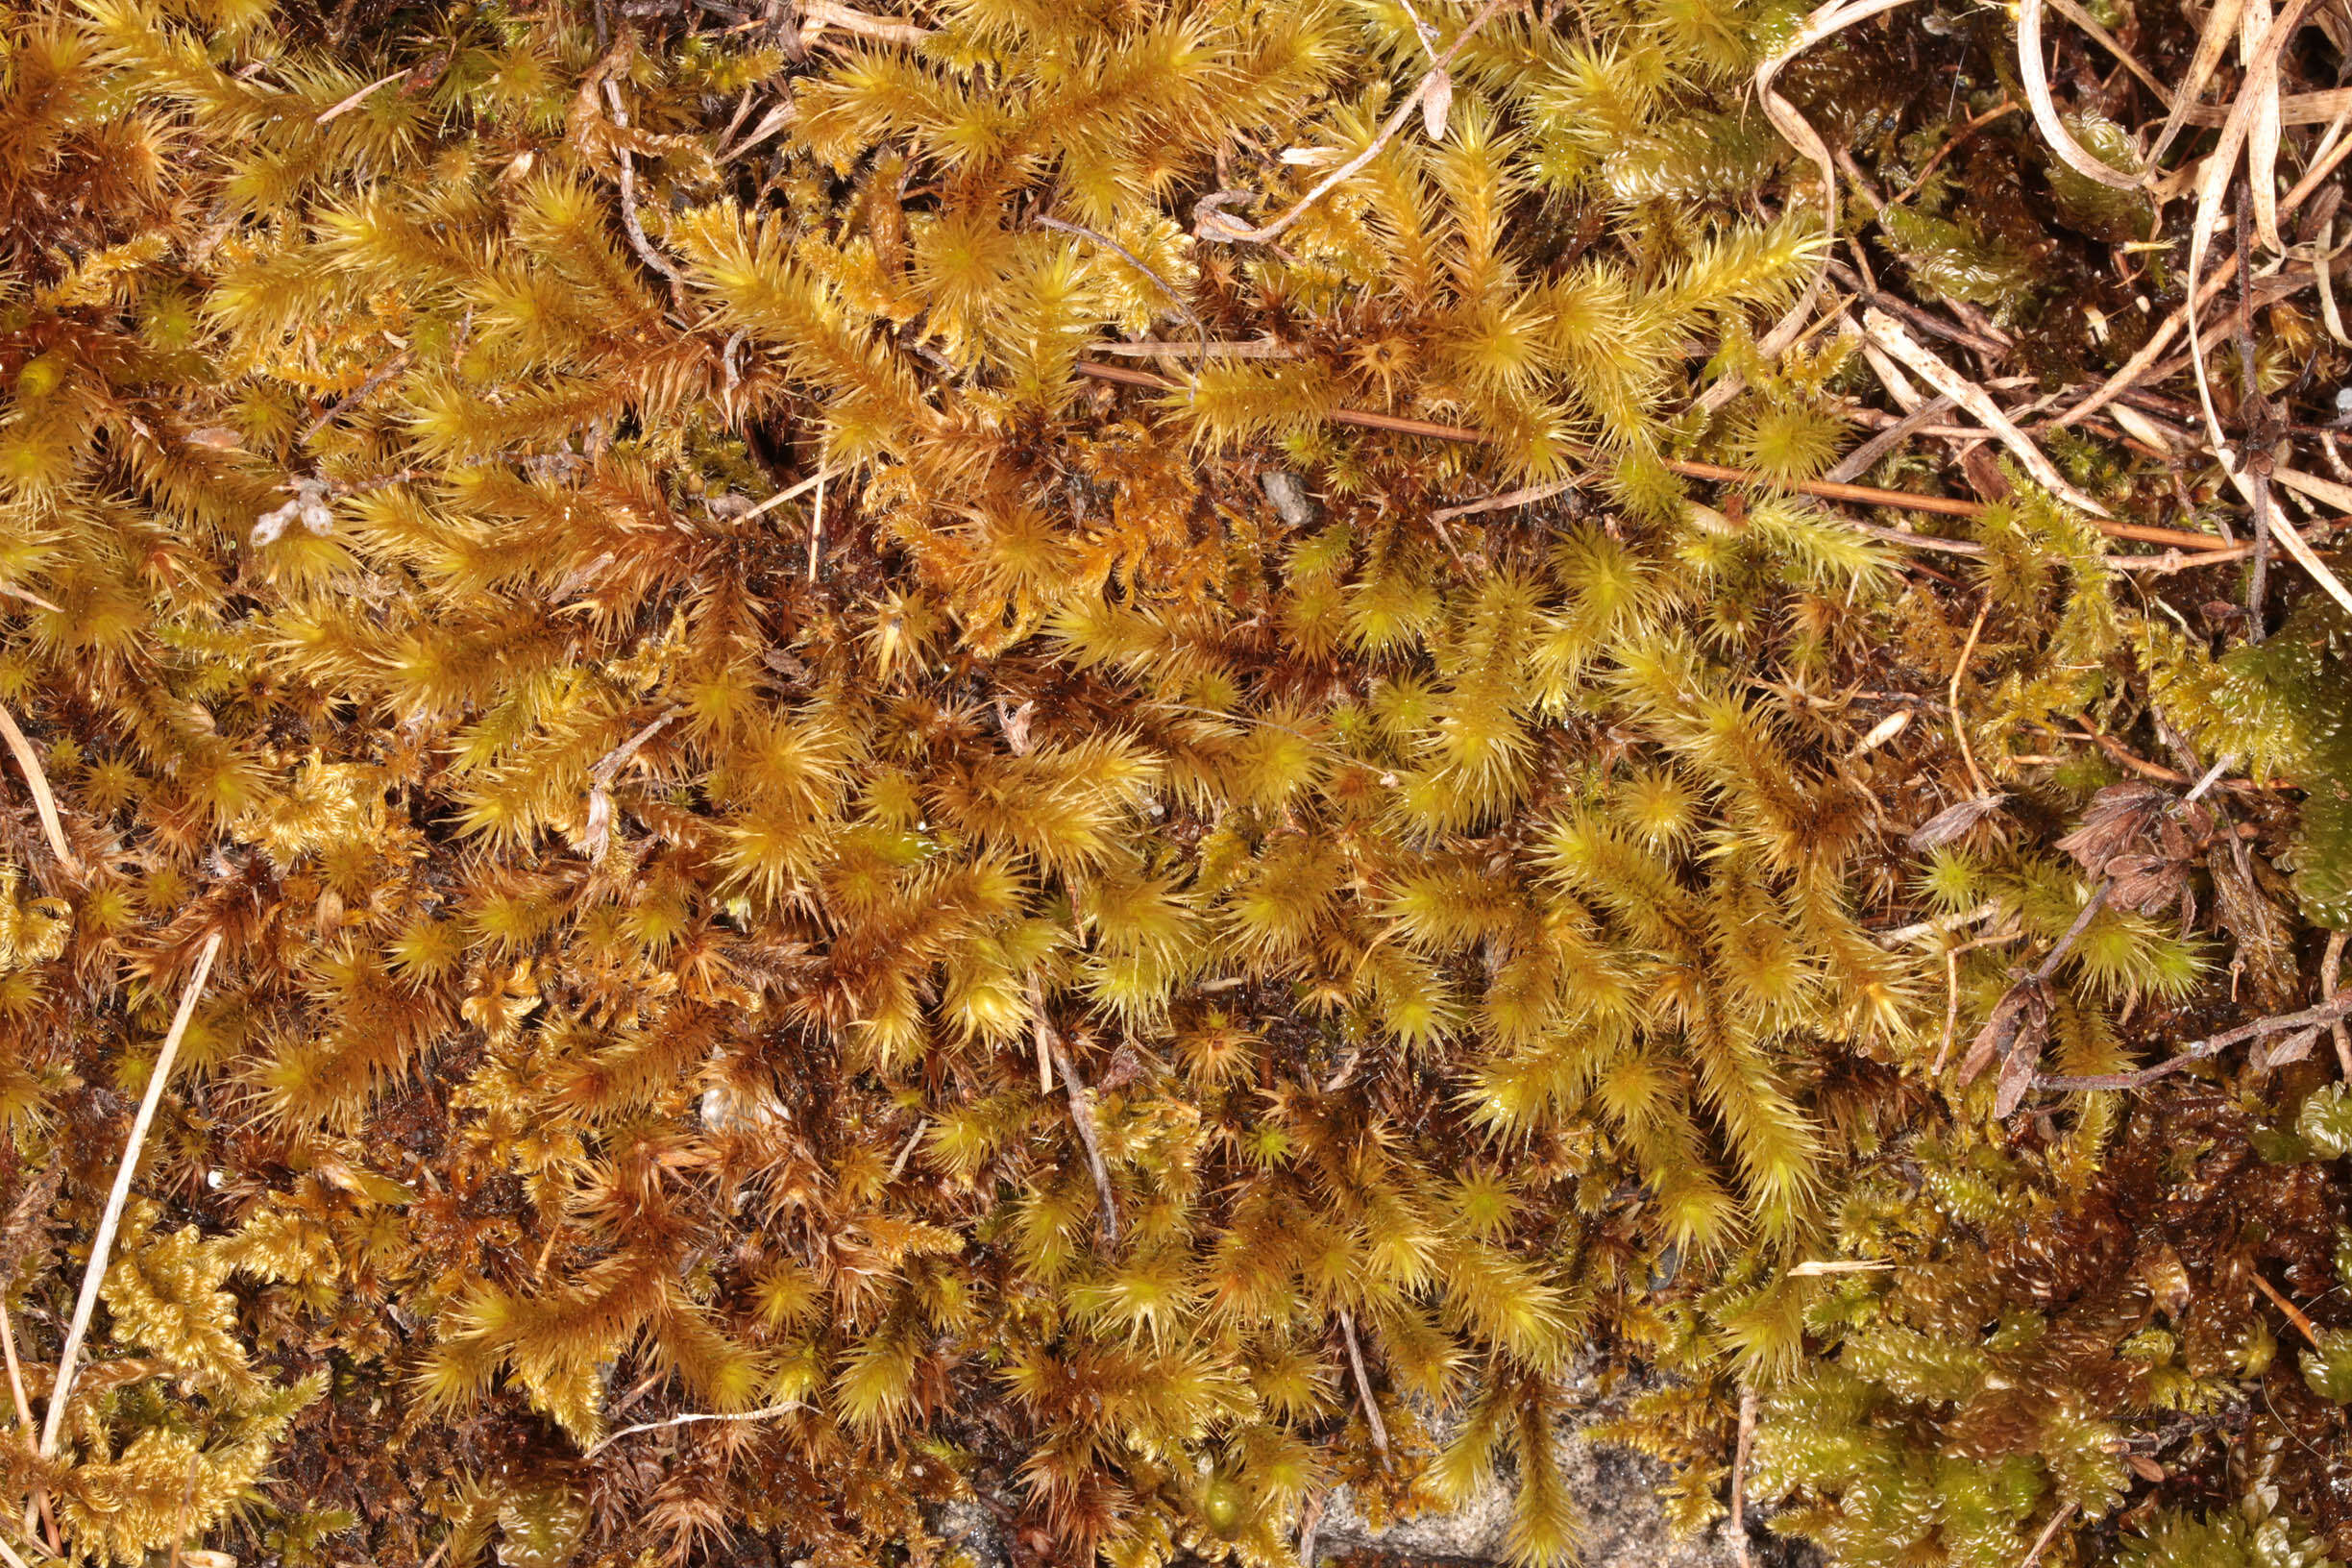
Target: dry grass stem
{"x":817,"y":525}
{"x":2050,"y":1533}
{"x":1921,"y":360}
{"x":2221,"y":29}
{"x":360,"y":97}
{"x":792,"y":492}
{"x":2108,"y":42}
{"x":1968,"y":651}
{"x":37,"y":781}
{"x":2331,"y":975}
{"x":2033,"y":74}
{"x":102,"y":1243}
{"x":1831,"y":18}
{"x":763,"y":1413}
{"x":29,"y":597}
{"x":816,"y":16}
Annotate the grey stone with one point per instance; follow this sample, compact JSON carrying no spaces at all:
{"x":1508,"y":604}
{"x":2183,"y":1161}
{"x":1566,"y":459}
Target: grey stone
{"x":1290,"y":496}
{"x":1616,"y":1489}
{"x":967,"y":1529}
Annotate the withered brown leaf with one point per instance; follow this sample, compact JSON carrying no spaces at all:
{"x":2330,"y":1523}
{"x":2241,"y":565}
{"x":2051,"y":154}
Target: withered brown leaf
{"x":1952,"y":821}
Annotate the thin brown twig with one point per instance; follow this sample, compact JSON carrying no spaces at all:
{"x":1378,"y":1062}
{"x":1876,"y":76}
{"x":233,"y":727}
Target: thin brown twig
{"x":1082,"y":1111}
{"x":1261,"y":347}
{"x":1364,"y":1383}
{"x":1952,"y":1011}
{"x":355,"y":397}
{"x":24,"y":1421}
{"x":1082,"y":231}
{"x":2107,"y":41}
{"x":1862,"y":495}
{"x":2137,"y":764}
{"x":1506,"y":500}
{"x":1859,"y":461}
{"x":53,"y":827}
{"x":103,"y":1242}
{"x":2073,"y":933}
{"x":1979,"y":123}
{"x":2294,"y":1314}
{"x":2326,"y":1013}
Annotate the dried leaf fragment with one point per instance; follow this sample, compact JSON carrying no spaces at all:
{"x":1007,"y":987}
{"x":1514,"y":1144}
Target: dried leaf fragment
{"x":1436,"y":102}
{"x":2018,"y":1025}
{"x":1952,"y":821}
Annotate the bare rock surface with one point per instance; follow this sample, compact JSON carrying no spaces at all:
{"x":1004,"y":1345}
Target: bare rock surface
{"x":1616,"y":1489}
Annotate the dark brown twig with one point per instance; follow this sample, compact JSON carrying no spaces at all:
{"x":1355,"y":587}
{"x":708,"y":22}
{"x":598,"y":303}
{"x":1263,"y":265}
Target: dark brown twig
{"x":355,"y":397}
{"x":1859,"y":461}
{"x":1082,"y":1111}
{"x":2326,"y":1013}
{"x":1363,"y":1383}
{"x":629,"y":220}
{"x":1199,"y":326}
{"x":1739,"y":1475}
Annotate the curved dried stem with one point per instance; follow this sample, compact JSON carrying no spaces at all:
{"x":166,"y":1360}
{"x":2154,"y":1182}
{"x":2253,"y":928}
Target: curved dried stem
{"x":2033,"y":74}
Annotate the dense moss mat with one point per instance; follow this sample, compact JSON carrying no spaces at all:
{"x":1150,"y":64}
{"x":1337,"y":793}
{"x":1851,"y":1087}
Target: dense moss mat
{"x":821,"y":909}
